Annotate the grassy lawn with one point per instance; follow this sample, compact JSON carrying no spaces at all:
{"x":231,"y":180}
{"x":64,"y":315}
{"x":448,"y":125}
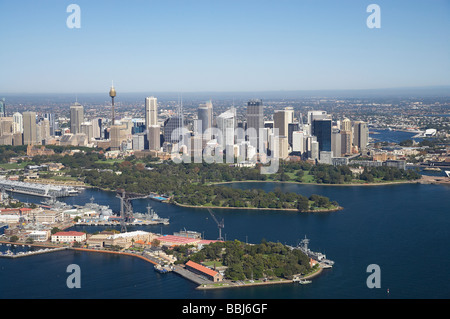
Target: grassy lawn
{"x":211,"y":263}
{"x":14,"y":165}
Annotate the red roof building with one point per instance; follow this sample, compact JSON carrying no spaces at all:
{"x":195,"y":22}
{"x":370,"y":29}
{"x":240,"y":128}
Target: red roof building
{"x":204,"y":271}
{"x":68,"y":236}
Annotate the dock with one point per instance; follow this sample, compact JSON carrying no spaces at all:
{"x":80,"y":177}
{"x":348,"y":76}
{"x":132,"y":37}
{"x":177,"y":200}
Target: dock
{"x":199,"y":280}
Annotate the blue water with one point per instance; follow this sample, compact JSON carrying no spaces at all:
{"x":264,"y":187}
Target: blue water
{"x":385,"y":135}
{"x":402,"y":228}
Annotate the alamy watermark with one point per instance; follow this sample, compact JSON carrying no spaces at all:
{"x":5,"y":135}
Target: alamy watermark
{"x":74,"y":19}
{"x":74,"y":279}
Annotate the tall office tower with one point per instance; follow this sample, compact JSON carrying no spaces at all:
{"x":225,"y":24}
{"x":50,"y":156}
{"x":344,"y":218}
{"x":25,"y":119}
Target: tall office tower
{"x":292,"y":127}
{"x":314,"y":150}
{"x":226,"y":123}
{"x":52,"y":122}
{"x":44,"y":133}
{"x":2,"y":108}
{"x":346,"y":142}
{"x":88,"y":129}
{"x":117,"y":135}
{"x":29,"y":128}
{"x":283,"y":147}
{"x":290,"y":114}
{"x":17,"y":123}
{"x":281,"y":121}
{"x":97,"y":128}
{"x":346,"y":125}
{"x":361,"y":135}
{"x":336,"y":145}
{"x":154,"y":138}
{"x":172,"y":129}
{"x":298,"y":142}
{"x":255,"y":121}
{"x":316,"y":115}
{"x":322,"y":130}
{"x":151,"y":111}
{"x":205,"y":117}
{"x":76,"y":118}
{"x":112,"y":94}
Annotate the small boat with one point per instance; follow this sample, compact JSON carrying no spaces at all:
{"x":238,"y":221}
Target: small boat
{"x":304,"y":281}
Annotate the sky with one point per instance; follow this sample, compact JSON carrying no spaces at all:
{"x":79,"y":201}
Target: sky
{"x":222,"y":46}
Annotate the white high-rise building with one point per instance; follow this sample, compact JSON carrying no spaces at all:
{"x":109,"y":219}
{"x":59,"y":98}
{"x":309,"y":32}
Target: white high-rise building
{"x":298,"y":143}
{"x":17,"y":123}
{"x":151,"y":111}
{"x":226,"y":123}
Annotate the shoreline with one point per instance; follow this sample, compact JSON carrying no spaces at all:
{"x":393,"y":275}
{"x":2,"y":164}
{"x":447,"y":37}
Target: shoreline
{"x":200,"y":287}
{"x":252,"y":284}
{"x":257,"y":208}
{"x":321,"y":184}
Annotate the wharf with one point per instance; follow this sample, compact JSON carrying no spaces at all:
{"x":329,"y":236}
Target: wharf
{"x":99,"y":223}
{"x":199,"y":280}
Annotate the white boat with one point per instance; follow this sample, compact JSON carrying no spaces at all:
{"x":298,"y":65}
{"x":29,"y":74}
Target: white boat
{"x":447,"y":173}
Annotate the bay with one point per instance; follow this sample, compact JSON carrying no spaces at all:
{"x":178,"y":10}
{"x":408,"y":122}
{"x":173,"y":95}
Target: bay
{"x":402,"y":228}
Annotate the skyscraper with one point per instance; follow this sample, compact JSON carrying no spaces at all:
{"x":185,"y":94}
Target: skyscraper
{"x":361,"y":135}
{"x":76,"y":118}
{"x":255,"y":121}
{"x":226,"y":123}
{"x":151,"y":111}
{"x":205,"y":117}
{"x":154,"y":138}
{"x":322,"y":130}
{"x":29,"y":128}
{"x":281,"y":122}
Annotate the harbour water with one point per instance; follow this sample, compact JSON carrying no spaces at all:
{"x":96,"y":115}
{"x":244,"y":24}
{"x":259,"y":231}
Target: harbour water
{"x":402,"y":228}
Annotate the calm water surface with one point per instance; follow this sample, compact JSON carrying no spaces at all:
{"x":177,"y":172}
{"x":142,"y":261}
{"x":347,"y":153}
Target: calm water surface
{"x":402,"y":228}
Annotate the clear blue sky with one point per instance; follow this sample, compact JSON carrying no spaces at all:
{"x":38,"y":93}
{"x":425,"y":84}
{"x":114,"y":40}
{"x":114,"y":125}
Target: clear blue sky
{"x":218,"y":45}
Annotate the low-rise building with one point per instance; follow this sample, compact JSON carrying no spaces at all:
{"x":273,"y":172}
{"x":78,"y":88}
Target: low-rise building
{"x":204,"y":271}
{"x":68,"y":237}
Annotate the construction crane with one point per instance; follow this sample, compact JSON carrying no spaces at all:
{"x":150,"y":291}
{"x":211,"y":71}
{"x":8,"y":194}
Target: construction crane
{"x":219,"y":225}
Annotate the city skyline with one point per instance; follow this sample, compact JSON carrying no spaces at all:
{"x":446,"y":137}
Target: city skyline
{"x":209,"y":46}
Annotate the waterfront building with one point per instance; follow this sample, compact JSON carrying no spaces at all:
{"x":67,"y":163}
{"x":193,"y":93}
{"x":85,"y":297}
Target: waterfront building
{"x":204,"y":271}
{"x":76,"y":118}
{"x":68,"y":237}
